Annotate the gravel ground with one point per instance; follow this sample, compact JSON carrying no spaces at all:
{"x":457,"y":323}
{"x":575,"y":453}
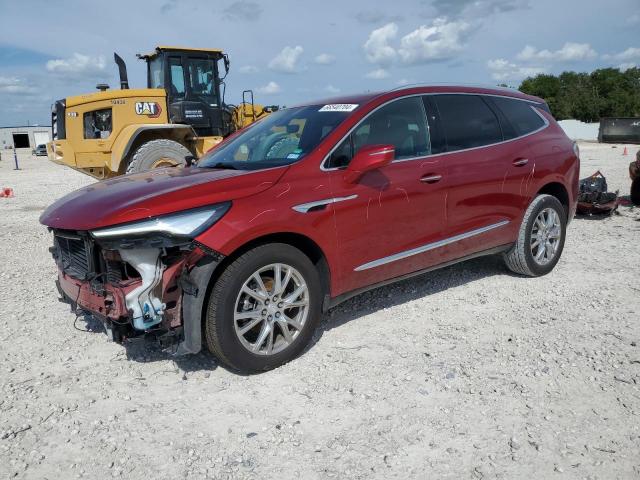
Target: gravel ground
{"x":468,"y":372}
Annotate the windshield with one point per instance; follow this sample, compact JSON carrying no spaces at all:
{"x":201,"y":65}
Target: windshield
{"x":282,"y":138}
{"x":202,"y":73}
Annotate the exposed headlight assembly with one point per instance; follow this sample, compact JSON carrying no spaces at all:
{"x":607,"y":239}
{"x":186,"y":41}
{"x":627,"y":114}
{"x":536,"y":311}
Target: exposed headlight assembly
{"x":188,"y":223}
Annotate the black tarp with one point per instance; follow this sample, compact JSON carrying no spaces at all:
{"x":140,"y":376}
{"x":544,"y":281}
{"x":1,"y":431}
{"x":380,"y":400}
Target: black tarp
{"x":619,"y":130}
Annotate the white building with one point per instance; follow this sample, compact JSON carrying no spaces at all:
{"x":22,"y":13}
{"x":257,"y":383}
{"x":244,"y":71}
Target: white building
{"x":24,"y":137}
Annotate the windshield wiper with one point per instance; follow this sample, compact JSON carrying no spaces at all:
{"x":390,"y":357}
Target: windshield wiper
{"x":226,"y":165}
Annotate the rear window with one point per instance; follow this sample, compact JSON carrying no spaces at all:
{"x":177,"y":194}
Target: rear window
{"x":467,"y":121}
{"x":520,"y":115}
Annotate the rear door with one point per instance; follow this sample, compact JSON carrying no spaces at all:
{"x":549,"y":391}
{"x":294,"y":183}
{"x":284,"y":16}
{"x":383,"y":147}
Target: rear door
{"x":384,"y":219}
{"x":479,"y":207}
{"x":520,"y":121}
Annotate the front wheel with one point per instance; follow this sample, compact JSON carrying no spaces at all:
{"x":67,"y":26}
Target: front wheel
{"x":264,"y":308}
{"x":540,"y":239}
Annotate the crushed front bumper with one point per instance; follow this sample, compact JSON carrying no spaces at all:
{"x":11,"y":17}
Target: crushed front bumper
{"x":165,"y":302}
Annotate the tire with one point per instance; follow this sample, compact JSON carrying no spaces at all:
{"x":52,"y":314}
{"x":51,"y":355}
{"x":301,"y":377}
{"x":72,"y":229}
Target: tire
{"x":222,"y":328}
{"x":520,"y":258}
{"x":156,"y":154}
{"x":635,"y":191}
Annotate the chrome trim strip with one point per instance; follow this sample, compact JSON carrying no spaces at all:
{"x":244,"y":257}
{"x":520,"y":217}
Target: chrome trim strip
{"x":428,"y":246}
{"x":430,"y":155}
{"x":431,"y":178}
{"x":382,"y":152}
{"x":305,"y":207}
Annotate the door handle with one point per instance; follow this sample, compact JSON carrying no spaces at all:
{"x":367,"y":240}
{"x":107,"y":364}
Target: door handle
{"x":431,"y":178}
{"x":520,"y":162}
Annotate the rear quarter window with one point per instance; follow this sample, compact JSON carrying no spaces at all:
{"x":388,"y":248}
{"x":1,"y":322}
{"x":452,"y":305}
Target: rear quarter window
{"x":520,"y":114}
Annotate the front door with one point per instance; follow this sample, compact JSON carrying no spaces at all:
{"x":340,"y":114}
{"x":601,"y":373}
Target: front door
{"x":386,"y":221}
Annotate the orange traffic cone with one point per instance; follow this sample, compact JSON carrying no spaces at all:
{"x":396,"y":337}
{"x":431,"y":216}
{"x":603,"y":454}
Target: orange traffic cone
{"x":625,"y":151}
{"x":6,"y":192}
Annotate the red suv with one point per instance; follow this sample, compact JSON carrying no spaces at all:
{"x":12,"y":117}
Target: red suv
{"x":312,"y":205}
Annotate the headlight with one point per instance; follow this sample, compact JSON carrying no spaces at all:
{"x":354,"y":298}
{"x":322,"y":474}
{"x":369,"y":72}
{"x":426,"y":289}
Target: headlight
{"x":189,"y":223}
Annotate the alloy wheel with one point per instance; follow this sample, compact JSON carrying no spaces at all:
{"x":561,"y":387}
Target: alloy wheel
{"x":271,"y":309}
{"x":546,"y":234}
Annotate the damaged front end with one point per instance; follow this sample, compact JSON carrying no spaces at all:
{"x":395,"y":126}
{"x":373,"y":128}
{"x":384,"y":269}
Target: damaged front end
{"x":143,"y":278}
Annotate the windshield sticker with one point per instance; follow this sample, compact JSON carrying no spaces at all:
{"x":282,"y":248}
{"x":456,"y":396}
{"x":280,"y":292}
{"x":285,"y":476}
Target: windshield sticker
{"x":293,"y":156}
{"x":339,"y":107}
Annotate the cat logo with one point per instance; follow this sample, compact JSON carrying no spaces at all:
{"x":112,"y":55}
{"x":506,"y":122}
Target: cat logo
{"x":150,"y":109}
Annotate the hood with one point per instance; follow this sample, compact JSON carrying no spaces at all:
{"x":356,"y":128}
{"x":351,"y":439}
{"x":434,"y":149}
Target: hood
{"x":113,"y":95}
{"x":156,"y":192}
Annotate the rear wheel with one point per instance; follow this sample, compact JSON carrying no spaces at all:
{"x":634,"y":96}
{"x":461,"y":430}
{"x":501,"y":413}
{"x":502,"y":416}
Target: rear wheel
{"x":157,"y":154}
{"x":264,"y":308}
{"x":540,"y":239}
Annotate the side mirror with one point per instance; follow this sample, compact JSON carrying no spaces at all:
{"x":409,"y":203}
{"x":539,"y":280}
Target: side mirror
{"x":369,"y":157}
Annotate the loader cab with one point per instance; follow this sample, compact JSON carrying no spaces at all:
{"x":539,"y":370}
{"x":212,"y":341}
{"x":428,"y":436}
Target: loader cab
{"x":192,"y":81}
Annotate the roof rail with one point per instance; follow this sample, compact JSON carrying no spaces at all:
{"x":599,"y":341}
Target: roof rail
{"x":451,"y":84}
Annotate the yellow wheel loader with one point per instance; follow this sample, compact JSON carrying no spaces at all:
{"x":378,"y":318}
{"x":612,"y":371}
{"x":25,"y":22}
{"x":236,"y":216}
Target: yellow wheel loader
{"x":176,"y":119}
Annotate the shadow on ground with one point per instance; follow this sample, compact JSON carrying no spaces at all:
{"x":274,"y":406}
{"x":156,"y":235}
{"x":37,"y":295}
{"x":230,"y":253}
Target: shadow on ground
{"x":410,"y":289}
{"x":146,"y":351}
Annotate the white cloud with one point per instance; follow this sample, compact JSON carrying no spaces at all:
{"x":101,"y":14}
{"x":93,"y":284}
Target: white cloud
{"x":331,"y":89}
{"x":626,"y":66}
{"x":633,"y":20}
{"x":405,"y":81}
{"x":270,"y":88}
{"x":286,"y":61}
{"x":16,"y":86}
{"x":378,"y":74}
{"x":377,"y":48}
{"x":79,"y":65}
{"x":248,"y":69}
{"x":436,"y":42}
{"x":570,"y":52}
{"x":168,"y":6}
{"x":503,"y":70}
{"x":243,"y":10}
{"x":324,"y":59}
{"x":375,"y":16}
{"x":631,"y":53}
{"x":476,"y":8}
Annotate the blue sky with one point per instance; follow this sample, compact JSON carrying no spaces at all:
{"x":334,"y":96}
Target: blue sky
{"x":292,"y":51}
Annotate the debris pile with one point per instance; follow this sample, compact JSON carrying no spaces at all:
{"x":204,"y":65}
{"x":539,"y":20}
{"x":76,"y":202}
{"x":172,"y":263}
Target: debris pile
{"x":594,"y":197}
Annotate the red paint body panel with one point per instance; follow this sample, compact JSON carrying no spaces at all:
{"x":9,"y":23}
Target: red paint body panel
{"x":156,"y":192}
{"x":393,"y":211}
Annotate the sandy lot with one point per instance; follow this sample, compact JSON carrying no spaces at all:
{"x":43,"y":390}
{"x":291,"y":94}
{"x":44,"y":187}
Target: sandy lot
{"x":468,"y":372}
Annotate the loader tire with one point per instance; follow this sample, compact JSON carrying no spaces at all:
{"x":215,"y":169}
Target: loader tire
{"x":157,"y":154}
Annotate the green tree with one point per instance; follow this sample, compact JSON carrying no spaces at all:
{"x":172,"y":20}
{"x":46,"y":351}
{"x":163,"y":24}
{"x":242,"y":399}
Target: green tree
{"x":605,"y":92}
